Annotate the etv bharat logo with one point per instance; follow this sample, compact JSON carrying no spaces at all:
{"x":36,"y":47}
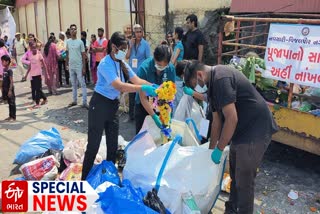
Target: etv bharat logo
{"x":14,"y":196}
{"x":16,"y":193}
{"x":39,"y":196}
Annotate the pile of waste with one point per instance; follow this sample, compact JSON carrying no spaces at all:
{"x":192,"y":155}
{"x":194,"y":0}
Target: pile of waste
{"x":156,"y":177}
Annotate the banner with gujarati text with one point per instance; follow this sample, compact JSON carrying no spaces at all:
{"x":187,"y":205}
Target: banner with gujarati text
{"x":293,"y":54}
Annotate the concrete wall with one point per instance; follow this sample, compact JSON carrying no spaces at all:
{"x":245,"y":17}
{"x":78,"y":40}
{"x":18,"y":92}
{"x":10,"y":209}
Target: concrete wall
{"x":41,"y":21}
{"x":22,"y":20}
{"x":31,"y":19}
{"x":119,"y":15}
{"x":52,"y":17}
{"x":155,"y":22}
{"x":70,"y":14}
{"x":92,"y":16}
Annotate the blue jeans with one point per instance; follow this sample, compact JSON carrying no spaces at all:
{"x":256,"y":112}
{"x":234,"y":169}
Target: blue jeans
{"x":76,"y":74}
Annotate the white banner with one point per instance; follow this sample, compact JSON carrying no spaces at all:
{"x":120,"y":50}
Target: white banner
{"x":7,"y":25}
{"x":293,"y":54}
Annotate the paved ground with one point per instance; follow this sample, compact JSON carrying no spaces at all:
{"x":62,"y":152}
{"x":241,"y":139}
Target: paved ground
{"x":283,"y":168}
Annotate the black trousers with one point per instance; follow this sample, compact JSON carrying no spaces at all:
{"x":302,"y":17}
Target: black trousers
{"x":11,"y":101}
{"x":36,"y":87}
{"x":87,"y":76}
{"x":132,"y":97}
{"x":244,"y":160}
{"x":140,"y":115}
{"x":103,"y":115}
{"x":60,"y":65}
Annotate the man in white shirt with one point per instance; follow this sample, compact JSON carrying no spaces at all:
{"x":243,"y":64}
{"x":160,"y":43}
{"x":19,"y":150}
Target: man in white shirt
{"x":20,"y":47}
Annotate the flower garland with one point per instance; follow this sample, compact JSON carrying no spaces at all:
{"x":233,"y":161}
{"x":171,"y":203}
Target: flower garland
{"x":166,"y":94}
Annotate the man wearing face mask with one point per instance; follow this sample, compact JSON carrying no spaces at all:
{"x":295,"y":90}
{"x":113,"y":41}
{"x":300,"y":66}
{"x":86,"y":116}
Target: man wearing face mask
{"x":240,"y":117}
{"x":156,"y":70}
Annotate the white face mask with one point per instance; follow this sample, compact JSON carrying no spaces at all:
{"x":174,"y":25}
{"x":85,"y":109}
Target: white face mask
{"x":121,"y":55}
{"x":200,"y":89}
{"x":159,"y":68}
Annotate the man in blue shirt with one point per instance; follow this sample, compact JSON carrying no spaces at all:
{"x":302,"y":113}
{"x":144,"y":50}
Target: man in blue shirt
{"x":139,"y":50}
{"x":156,"y":70}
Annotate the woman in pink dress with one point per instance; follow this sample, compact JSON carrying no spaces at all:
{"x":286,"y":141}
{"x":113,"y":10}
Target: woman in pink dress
{"x":51,"y":55}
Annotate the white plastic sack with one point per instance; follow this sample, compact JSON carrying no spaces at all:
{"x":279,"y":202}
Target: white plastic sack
{"x":189,"y":108}
{"x":177,"y":127}
{"x":189,"y":169}
{"x":75,"y":149}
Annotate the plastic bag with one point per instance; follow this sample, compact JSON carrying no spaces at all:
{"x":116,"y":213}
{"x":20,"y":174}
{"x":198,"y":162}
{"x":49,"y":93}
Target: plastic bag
{"x":72,"y":173}
{"x":183,"y":172}
{"x":178,"y":128}
{"x":125,"y":199}
{"x":39,"y":144}
{"x":189,"y":108}
{"x":153,"y":201}
{"x":106,"y":171}
{"x":40,"y":169}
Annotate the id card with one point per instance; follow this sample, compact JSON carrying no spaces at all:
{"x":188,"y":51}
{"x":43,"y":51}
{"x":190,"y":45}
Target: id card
{"x":134,"y":63}
{"x":204,"y":127}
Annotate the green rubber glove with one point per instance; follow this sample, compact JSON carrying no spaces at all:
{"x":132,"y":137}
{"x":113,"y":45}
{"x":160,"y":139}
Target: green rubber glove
{"x":216,"y":155}
{"x":188,"y":91}
{"x":150,"y":90}
{"x":156,"y":119}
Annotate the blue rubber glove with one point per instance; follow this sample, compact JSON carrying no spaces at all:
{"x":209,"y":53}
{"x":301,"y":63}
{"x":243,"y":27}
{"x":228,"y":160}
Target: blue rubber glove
{"x":216,"y":155}
{"x":188,"y":91}
{"x":150,"y":90}
{"x":157,"y":121}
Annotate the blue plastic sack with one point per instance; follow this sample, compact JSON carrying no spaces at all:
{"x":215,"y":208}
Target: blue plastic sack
{"x":125,"y":199}
{"x":39,"y":144}
{"x":106,"y":171}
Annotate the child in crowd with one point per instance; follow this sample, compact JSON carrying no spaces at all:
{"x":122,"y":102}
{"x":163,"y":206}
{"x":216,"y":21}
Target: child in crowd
{"x":7,"y":87}
{"x":34,"y":59}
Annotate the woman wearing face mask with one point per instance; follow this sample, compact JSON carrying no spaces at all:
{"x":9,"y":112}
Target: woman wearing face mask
{"x":113,"y":73}
{"x":156,"y":69}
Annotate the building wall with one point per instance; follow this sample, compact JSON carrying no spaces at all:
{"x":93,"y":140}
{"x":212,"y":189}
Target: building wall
{"x":52,"y":12}
{"x":31,"y":19}
{"x":41,"y":20}
{"x":70,"y":14}
{"x":119,"y":15}
{"x":22,"y":20}
{"x":93,"y":16}
{"x":155,"y":21}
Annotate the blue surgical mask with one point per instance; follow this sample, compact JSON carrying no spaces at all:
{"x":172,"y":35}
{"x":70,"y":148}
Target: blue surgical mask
{"x":121,"y":55}
{"x":160,"y":68}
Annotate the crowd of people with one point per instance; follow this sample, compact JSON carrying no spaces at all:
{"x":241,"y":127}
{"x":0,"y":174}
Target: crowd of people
{"x":119,"y":65}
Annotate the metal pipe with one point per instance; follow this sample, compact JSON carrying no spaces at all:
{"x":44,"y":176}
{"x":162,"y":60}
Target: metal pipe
{"x":25,"y":15}
{"x":59,"y":7}
{"x":237,"y":35}
{"x":279,"y":20}
{"x":245,"y":37}
{"x":251,"y":26}
{"x":167,"y":14}
{"x":243,"y":45}
{"x":46,"y":15}
{"x":80,"y":12}
{"x":106,"y":15}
